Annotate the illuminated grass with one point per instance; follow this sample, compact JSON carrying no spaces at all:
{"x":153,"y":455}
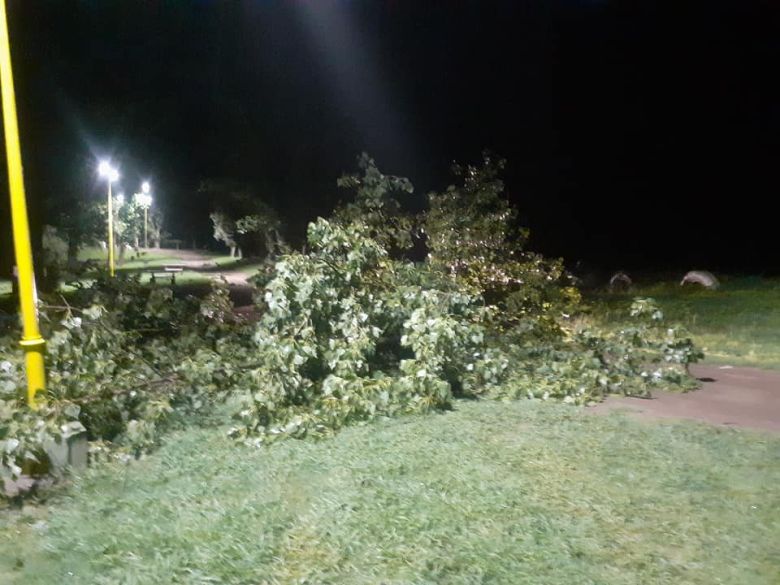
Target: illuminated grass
{"x":150,"y":261}
{"x":738,"y":324}
{"x":490,"y":493}
{"x":158,"y":259}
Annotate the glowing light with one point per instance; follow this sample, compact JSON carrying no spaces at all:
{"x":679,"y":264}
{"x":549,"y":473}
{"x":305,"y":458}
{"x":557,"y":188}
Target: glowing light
{"x":145,"y":188}
{"x":107,"y":171}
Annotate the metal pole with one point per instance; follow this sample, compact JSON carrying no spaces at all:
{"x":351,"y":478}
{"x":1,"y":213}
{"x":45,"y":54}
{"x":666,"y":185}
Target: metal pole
{"x":146,"y":239}
{"x":32,"y":341}
{"x":110,"y":231}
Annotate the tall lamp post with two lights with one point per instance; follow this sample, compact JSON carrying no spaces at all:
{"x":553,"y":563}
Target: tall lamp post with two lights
{"x":109,"y":173}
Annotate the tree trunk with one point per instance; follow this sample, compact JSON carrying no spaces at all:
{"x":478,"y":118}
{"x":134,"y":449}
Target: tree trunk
{"x":270,"y":250}
{"x":73,"y":253}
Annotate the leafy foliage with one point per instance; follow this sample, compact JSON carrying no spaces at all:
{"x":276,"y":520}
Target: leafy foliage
{"x":470,"y":228}
{"x":375,"y":205}
{"x":79,"y":222}
{"x":129,"y":223}
{"x":129,"y":364}
{"x":352,"y":331}
{"x":345,"y":337}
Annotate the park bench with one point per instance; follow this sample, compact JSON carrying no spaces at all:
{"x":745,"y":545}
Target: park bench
{"x":168,"y":270}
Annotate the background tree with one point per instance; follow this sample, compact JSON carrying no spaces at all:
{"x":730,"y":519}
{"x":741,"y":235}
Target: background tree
{"x":260,"y":231}
{"x":54,"y":250}
{"x":473,"y":235}
{"x":129,"y":226}
{"x":470,"y":228}
{"x":156,"y":224}
{"x":241,"y":219}
{"x":376,"y":204}
{"x":225,"y":231}
{"x":80,"y":223}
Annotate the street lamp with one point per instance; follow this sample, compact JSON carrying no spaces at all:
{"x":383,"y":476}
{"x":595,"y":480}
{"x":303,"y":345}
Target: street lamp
{"x":144,"y":199}
{"x":111,"y":175}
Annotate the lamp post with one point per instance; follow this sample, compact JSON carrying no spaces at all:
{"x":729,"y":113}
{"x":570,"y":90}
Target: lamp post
{"x":32,"y":342}
{"x":144,"y":199}
{"x":110,"y":174}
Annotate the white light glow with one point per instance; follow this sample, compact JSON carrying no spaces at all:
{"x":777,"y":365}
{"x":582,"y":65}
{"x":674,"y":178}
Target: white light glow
{"x":107,"y":171}
{"x":145,"y":187}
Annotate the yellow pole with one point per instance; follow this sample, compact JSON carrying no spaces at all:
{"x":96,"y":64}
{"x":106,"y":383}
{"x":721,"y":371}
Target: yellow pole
{"x":110,"y":231}
{"x":32,"y":342}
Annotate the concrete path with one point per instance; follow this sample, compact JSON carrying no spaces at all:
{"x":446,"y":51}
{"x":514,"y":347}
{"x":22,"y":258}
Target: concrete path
{"x":739,"y":397}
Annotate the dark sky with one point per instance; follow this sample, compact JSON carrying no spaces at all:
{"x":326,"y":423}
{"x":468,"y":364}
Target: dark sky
{"x":638,"y":134}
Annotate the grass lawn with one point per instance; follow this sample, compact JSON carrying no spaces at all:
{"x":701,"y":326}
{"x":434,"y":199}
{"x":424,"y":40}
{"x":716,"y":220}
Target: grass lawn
{"x":738,"y":324}
{"x":157,"y":259}
{"x":152,"y":258}
{"x":492,"y":492}
{"x":149,"y":260}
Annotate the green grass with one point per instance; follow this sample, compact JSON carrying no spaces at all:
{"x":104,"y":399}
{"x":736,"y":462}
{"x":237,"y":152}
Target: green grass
{"x":489,"y":493}
{"x":227,"y":261}
{"x":149,"y":261}
{"x":92,"y":253}
{"x":250,"y":268}
{"x":154,"y":258}
{"x":97,"y":253}
{"x":738,"y":324}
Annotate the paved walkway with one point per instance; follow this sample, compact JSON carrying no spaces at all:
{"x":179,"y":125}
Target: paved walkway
{"x":739,"y":397}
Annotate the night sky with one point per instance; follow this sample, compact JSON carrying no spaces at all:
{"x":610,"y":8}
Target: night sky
{"x":637,"y":134}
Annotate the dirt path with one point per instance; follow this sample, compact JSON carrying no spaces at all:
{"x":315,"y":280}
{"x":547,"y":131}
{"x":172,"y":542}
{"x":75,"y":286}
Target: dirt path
{"x":234,"y":277}
{"x":740,"y":397}
{"x":198,"y":262}
{"x":192,"y":258}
